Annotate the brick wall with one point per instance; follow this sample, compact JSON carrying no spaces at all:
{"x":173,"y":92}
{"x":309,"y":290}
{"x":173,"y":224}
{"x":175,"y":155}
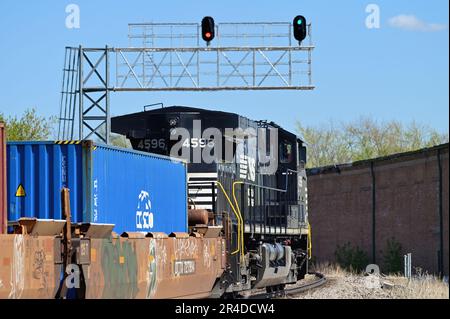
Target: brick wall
{"x":406,"y":206}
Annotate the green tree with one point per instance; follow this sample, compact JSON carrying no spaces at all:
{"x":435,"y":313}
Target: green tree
{"x":393,"y":257}
{"x":29,"y":127}
{"x":363,"y":139}
{"x":325,"y":145}
{"x":114,"y":139}
{"x":351,"y":258}
{"x":119,"y":140}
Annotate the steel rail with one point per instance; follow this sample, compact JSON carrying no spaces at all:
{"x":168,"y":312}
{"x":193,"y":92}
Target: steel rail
{"x":286,"y":292}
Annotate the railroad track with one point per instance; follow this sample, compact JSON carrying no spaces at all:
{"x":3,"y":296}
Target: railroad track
{"x":320,"y":280}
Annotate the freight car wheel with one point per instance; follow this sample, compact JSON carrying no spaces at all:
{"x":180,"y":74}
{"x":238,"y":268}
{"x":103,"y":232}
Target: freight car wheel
{"x":302,"y":273}
{"x":231,"y":295}
{"x":302,"y":270}
{"x":277,"y":290}
{"x":299,"y":287}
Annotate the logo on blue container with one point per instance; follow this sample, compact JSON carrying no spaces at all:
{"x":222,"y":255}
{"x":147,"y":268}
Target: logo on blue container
{"x":144,"y":216}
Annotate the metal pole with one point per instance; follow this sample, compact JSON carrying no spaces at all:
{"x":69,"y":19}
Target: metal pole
{"x":409,"y":265}
{"x":372,"y":173}
{"x":67,"y":240}
{"x":72,"y":92}
{"x":198,"y":68}
{"x":254,"y":67}
{"x":310,"y":56}
{"x":407,"y":260}
{"x":170,"y":56}
{"x":290,"y":55}
{"x":81,"y":93}
{"x":117,"y":68}
{"x":60,"y":136}
{"x":218,"y":67}
{"x":108,"y":115}
{"x":405,"y":265}
{"x":441,"y":219}
{"x":143,"y":70}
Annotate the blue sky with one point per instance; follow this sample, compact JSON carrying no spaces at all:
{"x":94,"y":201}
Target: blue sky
{"x":399,"y":71}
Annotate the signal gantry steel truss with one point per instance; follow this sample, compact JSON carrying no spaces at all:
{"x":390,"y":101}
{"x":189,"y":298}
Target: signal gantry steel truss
{"x":169,"y":57}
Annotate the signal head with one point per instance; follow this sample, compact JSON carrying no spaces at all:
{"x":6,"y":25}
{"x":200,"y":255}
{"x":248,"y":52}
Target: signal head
{"x":300,"y":28}
{"x":208,"y":29}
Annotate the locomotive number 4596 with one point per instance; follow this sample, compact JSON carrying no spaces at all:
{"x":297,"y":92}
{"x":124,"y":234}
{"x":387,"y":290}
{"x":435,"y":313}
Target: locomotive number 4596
{"x":153,"y":143}
{"x":198,"y":142}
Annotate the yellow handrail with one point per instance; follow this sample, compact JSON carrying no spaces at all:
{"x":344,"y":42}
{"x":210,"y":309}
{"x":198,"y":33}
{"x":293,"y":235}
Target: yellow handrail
{"x":309,"y":242}
{"x":235,"y":213}
{"x":241,"y":227}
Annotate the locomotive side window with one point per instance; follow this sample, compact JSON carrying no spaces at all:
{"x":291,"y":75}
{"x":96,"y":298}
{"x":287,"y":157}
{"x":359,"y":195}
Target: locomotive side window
{"x":285,"y":152}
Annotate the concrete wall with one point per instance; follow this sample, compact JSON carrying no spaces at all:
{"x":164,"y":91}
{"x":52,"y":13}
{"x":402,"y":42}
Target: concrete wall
{"x":406,"y":206}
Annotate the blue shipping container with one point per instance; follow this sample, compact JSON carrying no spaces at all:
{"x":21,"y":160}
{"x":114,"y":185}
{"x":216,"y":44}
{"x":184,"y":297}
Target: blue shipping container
{"x":136,"y":191}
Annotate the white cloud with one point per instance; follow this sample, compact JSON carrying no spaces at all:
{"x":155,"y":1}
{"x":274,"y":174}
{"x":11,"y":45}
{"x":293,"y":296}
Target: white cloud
{"x":412,"y":23}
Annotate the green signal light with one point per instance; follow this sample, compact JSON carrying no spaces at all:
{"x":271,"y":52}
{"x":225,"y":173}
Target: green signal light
{"x":299,"y":22}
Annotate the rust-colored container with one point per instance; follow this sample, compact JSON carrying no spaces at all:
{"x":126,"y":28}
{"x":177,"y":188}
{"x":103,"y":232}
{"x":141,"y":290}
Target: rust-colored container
{"x":3,"y":213}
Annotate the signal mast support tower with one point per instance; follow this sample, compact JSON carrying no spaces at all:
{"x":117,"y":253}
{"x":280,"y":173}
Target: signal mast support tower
{"x":170,"y":57}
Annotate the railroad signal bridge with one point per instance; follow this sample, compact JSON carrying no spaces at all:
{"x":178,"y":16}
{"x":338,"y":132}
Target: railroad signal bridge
{"x":175,"y":57}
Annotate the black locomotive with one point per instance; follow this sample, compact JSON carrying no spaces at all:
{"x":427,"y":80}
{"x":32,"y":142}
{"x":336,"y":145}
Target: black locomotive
{"x":249,"y":176}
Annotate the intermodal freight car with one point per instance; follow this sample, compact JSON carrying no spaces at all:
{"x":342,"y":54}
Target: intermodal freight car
{"x":100,"y":265}
{"x":246,"y":226}
{"x":46,"y":256}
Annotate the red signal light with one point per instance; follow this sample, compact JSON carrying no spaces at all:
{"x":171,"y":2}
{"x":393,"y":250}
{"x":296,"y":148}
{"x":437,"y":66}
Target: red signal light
{"x":208,"y":29}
